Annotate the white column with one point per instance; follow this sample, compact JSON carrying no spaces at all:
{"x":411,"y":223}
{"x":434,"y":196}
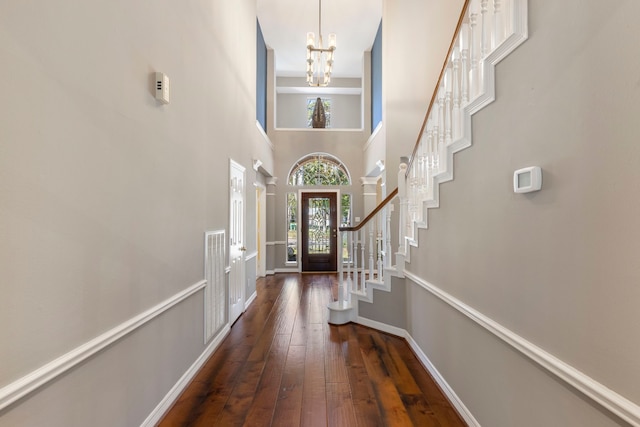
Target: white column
{"x":487,"y":27}
{"x":354,"y":281}
{"x":387,"y":254}
{"x":402,"y":193}
{"x":457,"y":112}
{"x":364,"y":268}
{"x":371,"y":263}
{"x":448,"y":88}
{"x":474,"y":49}
{"x":340,"y":272}
{"x":499,"y":29}
{"x":464,"y":64}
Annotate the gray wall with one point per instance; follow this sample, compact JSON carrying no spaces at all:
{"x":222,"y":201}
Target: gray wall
{"x":291,"y":108}
{"x":409,"y":76}
{"x":416,"y":36}
{"x":105,"y":194}
{"x":291,"y":146}
{"x":346,"y":110}
{"x":558,"y":267}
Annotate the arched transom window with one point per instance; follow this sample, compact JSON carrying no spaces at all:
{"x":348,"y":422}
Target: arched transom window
{"x":319,"y":169}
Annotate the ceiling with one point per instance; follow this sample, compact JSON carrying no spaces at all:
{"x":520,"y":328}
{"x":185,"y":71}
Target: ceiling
{"x":285,"y":24}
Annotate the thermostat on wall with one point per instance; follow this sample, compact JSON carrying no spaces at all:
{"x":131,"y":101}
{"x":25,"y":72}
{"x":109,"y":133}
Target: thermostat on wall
{"x":162,"y":88}
{"x":526,"y":180}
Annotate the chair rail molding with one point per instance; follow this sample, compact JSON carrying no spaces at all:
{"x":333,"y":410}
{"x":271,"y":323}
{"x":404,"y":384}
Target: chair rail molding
{"x":609,"y":399}
{"x":20,"y":388}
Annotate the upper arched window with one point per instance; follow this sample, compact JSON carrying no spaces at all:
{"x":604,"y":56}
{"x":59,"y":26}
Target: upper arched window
{"x":319,"y":169}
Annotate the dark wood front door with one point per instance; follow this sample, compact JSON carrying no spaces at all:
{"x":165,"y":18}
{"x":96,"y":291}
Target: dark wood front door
{"x":319,"y":231}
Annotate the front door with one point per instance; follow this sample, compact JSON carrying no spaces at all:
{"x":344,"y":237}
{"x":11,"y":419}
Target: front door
{"x":236,"y":240}
{"x":319,"y":231}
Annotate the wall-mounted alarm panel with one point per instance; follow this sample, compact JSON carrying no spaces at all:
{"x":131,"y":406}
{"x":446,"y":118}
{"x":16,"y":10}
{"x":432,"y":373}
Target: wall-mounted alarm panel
{"x":526,"y":180}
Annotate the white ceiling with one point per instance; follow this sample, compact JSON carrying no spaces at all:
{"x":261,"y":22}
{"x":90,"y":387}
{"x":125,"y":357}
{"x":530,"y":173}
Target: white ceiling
{"x":285,"y":24}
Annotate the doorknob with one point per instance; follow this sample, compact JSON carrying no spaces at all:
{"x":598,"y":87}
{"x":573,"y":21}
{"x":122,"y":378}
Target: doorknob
{"x":243,"y":249}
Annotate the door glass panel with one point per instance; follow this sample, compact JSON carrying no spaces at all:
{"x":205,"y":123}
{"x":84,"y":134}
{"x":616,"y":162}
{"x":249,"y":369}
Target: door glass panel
{"x":319,"y":230}
{"x":345,"y":221}
{"x":292,"y":227}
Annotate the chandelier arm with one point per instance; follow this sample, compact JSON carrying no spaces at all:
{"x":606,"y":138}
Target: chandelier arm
{"x":320,"y":21}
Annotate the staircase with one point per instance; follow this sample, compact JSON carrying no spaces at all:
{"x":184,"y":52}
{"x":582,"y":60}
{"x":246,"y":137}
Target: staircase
{"x":487,"y":31}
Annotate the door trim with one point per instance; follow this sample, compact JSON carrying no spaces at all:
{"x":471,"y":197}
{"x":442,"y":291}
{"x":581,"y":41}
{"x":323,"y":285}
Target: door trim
{"x":237,"y":237}
{"x":261,"y":229}
{"x":302,"y":228}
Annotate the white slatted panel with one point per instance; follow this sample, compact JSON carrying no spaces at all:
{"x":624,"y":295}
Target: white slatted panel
{"x":214,"y":292}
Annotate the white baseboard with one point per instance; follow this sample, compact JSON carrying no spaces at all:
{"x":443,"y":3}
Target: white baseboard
{"x":393,"y":330}
{"x":463,"y":411}
{"x":248,"y":302}
{"x":598,"y":392}
{"x":286,"y":270}
{"x":282,"y":270}
{"x":426,"y":363}
{"x":23,"y":386}
{"x":173,"y":394}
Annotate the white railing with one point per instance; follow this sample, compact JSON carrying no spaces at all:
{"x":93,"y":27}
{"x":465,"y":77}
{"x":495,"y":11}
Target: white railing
{"x":487,"y":32}
{"x":367,"y":253}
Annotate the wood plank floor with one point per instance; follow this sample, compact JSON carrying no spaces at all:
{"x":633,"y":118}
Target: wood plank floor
{"x":282,"y":364}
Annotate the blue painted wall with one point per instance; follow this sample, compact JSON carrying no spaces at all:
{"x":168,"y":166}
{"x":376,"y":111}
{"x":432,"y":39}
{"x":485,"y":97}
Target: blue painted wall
{"x":376,"y":79}
{"x":261,"y":79}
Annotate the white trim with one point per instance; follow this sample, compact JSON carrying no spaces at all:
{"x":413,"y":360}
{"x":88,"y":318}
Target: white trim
{"x":320,"y":130}
{"x":251,"y":255}
{"x":463,"y":411}
{"x":266,"y":138}
{"x":248,"y":302}
{"x":302,"y":192}
{"x":329,"y":90}
{"x":393,"y":330}
{"x":317,"y":155}
{"x":173,"y":394}
{"x":271,"y":180}
{"x":46,"y":373}
{"x":270,"y":272}
{"x":286,"y":270}
{"x":279,"y":242}
{"x":369,"y":180}
{"x":519,"y":34}
{"x":372,"y":136}
{"x":614,"y":402}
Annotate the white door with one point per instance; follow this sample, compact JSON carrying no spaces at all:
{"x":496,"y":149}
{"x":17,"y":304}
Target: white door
{"x":236,"y":240}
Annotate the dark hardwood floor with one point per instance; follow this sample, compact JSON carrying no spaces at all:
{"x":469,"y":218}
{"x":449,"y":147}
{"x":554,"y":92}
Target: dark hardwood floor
{"x":282,"y":364}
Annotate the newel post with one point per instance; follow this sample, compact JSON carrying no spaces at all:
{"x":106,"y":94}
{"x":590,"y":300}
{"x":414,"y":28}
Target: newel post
{"x":341,"y":269}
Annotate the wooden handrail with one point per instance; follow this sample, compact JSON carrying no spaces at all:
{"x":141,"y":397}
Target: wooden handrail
{"x":435,"y":91}
{"x":373,"y":213}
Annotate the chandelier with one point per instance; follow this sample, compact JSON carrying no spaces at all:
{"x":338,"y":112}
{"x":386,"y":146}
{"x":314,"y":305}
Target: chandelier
{"x":319,"y":59}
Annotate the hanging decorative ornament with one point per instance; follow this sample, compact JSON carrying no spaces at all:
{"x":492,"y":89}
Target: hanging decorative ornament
{"x":319,"y":118}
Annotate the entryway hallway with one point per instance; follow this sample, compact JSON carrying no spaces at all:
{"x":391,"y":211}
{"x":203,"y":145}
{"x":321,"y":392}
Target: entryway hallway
{"x":282,"y":364}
